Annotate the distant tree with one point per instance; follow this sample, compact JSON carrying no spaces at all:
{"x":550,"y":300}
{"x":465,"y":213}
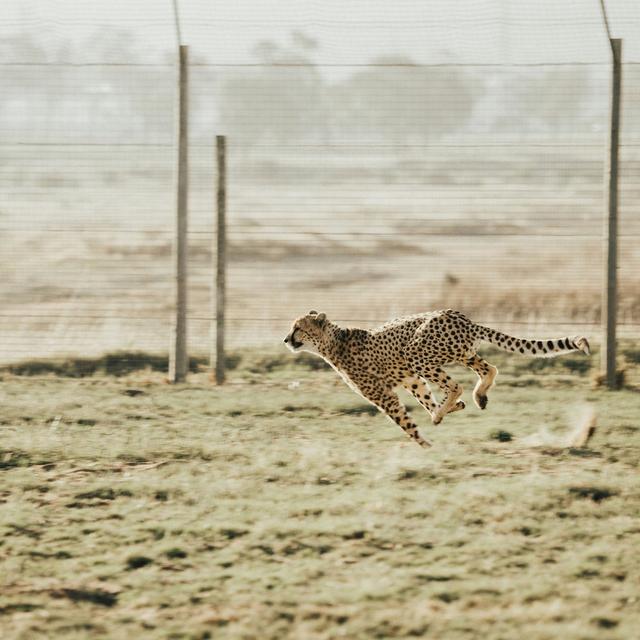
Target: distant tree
{"x":547,"y":99}
{"x":111,"y":44}
{"x":303,"y":42}
{"x":63,"y":101}
{"x":630,"y":101}
{"x":398,"y":100}
{"x":393,"y":99}
{"x":30,"y":94}
{"x":279,"y":101}
{"x":22,"y":47}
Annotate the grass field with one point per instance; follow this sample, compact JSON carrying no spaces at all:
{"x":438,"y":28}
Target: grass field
{"x":283,"y":506}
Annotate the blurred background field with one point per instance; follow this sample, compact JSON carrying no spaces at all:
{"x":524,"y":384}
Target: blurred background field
{"x":515,"y":244}
{"x":382,"y":161}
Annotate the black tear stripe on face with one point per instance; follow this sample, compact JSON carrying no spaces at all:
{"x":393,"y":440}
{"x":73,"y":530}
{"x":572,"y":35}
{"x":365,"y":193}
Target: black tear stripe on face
{"x":294,"y":343}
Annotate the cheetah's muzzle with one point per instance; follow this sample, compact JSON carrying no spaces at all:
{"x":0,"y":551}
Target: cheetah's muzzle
{"x":292,"y":343}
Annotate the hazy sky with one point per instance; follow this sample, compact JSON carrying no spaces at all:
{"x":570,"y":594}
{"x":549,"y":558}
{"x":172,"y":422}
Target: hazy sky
{"x":347,"y":31}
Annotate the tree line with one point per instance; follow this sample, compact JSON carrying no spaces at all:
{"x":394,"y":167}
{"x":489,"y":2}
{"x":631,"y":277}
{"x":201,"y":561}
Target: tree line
{"x":285,"y":96}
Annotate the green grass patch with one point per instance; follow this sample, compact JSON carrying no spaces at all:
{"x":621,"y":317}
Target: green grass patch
{"x":597,"y":494}
{"x":137,"y":562}
{"x":120,"y":363}
{"x":501,"y":435}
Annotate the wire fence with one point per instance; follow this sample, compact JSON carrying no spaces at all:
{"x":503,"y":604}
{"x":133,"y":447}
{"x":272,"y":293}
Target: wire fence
{"x":367,"y":186}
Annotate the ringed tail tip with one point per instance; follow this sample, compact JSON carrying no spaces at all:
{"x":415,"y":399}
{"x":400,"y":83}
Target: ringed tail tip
{"x":583,"y":344}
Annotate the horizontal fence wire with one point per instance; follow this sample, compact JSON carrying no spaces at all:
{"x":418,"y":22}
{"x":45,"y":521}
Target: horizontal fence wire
{"x":371,"y":174}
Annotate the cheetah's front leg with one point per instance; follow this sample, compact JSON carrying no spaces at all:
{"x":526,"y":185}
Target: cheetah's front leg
{"x":389,"y":403}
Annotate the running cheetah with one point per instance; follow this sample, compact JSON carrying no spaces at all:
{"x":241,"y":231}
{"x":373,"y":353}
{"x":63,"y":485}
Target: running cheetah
{"x":411,"y":352}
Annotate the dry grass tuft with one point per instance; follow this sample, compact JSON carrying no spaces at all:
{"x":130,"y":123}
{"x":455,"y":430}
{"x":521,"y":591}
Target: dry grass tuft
{"x":584,"y":430}
{"x":599,"y":380}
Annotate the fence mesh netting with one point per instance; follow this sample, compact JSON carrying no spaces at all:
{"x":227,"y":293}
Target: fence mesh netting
{"x":383,"y":159}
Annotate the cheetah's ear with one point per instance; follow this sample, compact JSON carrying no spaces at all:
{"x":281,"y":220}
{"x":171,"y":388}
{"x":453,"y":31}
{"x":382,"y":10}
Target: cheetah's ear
{"x":321,"y":318}
{"x":313,"y":313}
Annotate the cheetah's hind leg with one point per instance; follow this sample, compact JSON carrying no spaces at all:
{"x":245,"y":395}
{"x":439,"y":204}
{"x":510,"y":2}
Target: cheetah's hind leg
{"x":451,"y":389}
{"x":421,"y":392}
{"x":486,"y":376}
{"x":458,"y":406}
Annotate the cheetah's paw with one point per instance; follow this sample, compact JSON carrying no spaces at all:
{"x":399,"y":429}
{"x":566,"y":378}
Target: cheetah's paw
{"x":458,"y":406}
{"x":481,"y":400}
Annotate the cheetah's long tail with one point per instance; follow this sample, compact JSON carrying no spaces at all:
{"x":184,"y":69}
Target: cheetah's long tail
{"x":537,"y":348}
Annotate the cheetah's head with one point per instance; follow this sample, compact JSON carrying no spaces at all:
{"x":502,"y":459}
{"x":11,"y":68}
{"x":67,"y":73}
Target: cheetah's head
{"x":307,"y":332}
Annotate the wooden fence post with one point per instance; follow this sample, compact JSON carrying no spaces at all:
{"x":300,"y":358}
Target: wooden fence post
{"x":218,"y":354}
{"x":178,"y":357}
{"x":609,"y":292}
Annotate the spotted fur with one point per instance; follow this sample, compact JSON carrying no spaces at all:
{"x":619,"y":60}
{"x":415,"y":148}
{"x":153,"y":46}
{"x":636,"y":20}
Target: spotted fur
{"x":412,"y":352}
